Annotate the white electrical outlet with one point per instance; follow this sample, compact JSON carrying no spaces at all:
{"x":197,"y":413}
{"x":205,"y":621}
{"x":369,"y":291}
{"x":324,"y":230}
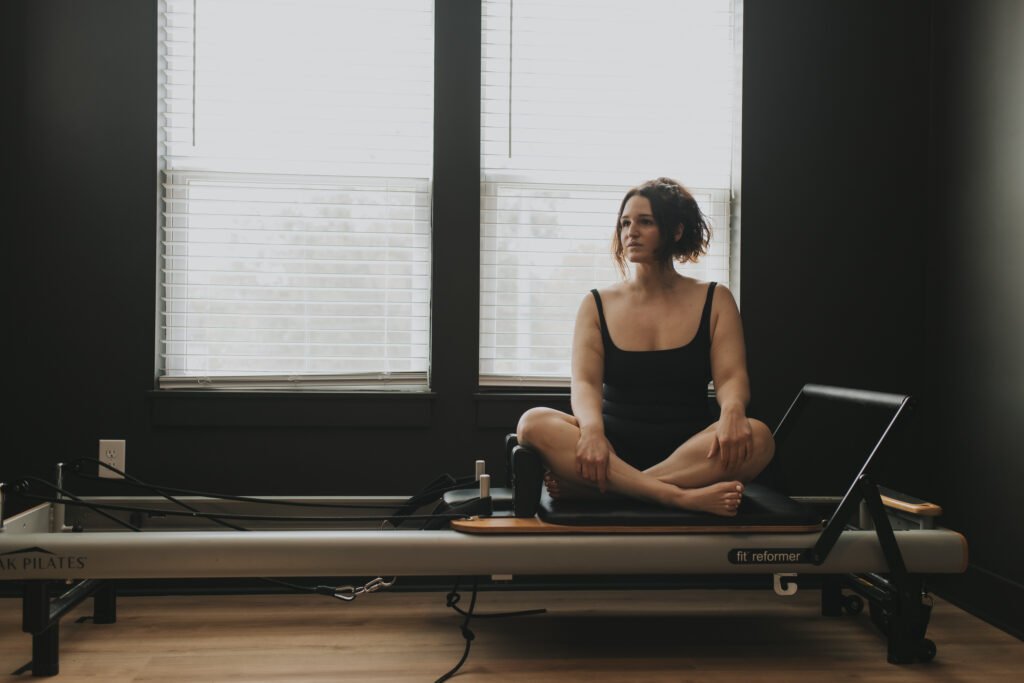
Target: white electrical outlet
{"x":112,"y":453}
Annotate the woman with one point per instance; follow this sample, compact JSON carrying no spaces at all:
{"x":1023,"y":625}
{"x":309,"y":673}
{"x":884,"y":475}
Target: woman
{"x":643,"y":353}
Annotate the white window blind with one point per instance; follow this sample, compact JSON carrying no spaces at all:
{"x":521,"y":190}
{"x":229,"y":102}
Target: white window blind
{"x":583,"y":99}
{"x":296,"y":153}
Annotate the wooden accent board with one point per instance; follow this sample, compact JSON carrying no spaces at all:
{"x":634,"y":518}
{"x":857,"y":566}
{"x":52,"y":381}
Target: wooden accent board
{"x":923,"y":509}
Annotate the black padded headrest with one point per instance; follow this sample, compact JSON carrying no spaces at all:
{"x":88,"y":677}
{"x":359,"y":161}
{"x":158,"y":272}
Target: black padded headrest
{"x":761,"y":506}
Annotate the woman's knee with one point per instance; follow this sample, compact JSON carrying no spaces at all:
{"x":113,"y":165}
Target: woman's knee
{"x":764,"y":442}
{"x":532,"y":424}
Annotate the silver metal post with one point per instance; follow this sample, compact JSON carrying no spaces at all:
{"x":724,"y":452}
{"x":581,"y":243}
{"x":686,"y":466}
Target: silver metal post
{"x":864,"y":517}
{"x":57,"y":514}
{"x":481,"y":467}
{"x":485,"y":486}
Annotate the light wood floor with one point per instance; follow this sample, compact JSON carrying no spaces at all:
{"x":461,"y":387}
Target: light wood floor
{"x":592,"y":636}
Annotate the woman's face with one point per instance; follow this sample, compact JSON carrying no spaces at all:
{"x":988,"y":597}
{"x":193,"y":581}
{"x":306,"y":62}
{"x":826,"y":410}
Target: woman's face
{"x":638,"y":232}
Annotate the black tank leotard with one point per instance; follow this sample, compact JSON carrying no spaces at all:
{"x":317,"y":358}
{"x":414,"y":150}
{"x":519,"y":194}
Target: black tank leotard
{"x":655,"y":400}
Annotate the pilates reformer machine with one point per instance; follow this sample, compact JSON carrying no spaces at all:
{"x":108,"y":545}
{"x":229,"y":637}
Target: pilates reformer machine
{"x":877,"y":545}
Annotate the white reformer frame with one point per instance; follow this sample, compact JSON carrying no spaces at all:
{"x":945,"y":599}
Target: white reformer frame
{"x":29,"y":551}
{"x":35,"y":551}
{"x":36,"y":547}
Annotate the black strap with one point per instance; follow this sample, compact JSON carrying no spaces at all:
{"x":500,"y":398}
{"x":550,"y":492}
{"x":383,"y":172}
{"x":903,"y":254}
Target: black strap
{"x":705,"y":316}
{"x":600,"y":314}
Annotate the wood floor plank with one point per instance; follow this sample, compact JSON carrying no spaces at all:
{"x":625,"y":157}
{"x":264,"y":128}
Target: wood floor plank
{"x":593,"y":636}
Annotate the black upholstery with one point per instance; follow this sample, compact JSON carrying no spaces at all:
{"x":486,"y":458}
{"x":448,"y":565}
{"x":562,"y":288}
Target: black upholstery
{"x":761,"y":506}
{"x":501,"y":497}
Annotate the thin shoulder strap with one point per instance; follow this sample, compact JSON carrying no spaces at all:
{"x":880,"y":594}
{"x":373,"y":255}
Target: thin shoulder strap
{"x":600,"y":314}
{"x":705,"y":317}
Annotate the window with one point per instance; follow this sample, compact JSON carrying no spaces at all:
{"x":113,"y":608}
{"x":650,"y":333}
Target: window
{"x":581,"y":99}
{"x":296,"y":153}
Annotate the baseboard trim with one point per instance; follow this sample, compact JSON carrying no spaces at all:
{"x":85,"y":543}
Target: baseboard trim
{"x":990,"y":597}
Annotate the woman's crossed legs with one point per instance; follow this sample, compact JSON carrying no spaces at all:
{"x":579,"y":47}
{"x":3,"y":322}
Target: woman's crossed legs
{"x":686,"y":479}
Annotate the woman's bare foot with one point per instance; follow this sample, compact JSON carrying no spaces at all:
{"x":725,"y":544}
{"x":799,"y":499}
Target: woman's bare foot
{"x":559,"y":490}
{"x":552,"y":485}
{"x":722,"y":499}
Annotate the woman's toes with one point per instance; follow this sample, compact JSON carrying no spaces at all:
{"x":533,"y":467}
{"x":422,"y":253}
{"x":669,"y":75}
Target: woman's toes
{"x":551,"y":484}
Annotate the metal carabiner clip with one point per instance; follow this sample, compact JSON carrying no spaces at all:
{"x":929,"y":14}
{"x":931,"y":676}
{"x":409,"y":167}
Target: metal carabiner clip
{"x":346,"y":593}
{"x":378,"y":584}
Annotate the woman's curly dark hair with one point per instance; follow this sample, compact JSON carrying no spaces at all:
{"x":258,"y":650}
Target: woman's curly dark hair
{"x":672,"y":205}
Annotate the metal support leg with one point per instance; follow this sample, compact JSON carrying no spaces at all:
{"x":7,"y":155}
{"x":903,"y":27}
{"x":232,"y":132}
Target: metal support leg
{"x":907,"y":622}
{"x":104,"y":604}
{"x":40,"y":616}
{"x":831,"y":596}
{"x":35,"y":619}
{"x":46,"y":652}
{"x":35,"y":606}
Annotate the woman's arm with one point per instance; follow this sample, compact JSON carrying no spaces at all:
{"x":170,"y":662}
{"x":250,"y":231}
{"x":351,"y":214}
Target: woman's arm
{"x":734,"y":438}
{"x":593,"y":449}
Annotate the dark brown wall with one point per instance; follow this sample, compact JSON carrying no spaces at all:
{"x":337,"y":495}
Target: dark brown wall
{"x":881,"y":218}
{"x":975,"y":249}
{"x":882,"y":236}
{"x":834,"y":197}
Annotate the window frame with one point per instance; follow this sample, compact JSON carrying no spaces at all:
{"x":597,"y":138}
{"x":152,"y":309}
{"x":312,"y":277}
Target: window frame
{"x":454,"y":386}
{"x":356,"y":382}
{"x":455,"y":277}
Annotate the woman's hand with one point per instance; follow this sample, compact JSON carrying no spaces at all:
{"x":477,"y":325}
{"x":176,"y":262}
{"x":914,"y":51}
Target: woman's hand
{"x":734,"y":440}
{"x":592,"y":456}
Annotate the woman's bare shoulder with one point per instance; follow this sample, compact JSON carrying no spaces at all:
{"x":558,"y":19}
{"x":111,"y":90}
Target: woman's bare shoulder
{"x":692,"y":289}
{"x":723,"y":308}
{"x":588,"y":307}
{"x":688,"y":284}
{"x":612,"y":291}
{"x":724,"y":295}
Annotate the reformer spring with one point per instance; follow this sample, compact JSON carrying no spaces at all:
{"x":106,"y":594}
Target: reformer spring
{"x":99,"y":507}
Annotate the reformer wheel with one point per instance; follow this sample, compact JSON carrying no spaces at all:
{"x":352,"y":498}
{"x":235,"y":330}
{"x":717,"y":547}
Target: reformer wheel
{"x":852,"y":604}
{"x":926,"y":651}
{"x":880,"y":616}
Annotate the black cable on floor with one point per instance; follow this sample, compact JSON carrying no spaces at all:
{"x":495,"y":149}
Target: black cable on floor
{"x":503,"y":615}
{"x":453,"y":599}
